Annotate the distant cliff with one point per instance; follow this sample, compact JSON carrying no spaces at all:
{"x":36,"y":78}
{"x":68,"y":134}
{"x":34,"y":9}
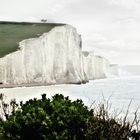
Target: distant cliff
{"x":95,"y":67}
{"x":53,"y":58}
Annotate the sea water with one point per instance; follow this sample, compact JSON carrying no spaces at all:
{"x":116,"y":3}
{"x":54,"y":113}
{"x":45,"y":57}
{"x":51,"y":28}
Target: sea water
{"x":119,"y":92}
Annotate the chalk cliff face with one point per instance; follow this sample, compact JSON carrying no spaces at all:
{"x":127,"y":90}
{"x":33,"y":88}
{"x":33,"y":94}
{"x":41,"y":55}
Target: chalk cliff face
{"x":54,"y":57}
{"x":89,"y":65}
{"x":95,"y":67}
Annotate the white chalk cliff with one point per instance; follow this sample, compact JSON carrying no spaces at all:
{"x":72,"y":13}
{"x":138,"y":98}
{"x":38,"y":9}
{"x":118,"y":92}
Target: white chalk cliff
{"x":54,"y":57}
{"x":95,"y":67}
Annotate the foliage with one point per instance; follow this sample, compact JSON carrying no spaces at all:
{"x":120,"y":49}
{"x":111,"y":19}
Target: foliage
{"x":103,"y":127}
{"x":60,"y":118}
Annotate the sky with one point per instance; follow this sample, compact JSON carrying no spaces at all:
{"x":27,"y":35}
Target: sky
{"x":110,"y":28}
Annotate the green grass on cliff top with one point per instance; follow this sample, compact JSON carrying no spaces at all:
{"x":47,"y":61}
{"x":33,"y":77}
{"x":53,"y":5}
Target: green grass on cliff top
{"x":11,"y":33}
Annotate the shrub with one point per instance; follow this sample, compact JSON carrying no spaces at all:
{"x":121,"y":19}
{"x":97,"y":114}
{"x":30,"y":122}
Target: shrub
{"x":59,"y":118}
{"x":62,"y":119}
{"x":103,"y":127}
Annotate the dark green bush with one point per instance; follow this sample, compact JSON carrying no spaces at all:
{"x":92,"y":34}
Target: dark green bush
{"x":61,"y":119}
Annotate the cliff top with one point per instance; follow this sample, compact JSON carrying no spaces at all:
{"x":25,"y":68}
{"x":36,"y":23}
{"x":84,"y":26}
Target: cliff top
{"x":11,"y":33}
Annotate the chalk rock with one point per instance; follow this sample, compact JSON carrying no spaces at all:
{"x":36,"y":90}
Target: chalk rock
{"x":53,"y":58}
{"x":95,"y":67}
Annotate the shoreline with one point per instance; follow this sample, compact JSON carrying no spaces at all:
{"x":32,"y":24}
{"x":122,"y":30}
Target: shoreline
{"x":70,"y":83}
{"x":36,"y":84}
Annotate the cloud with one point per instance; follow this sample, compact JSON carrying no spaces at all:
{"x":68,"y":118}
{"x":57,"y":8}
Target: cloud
{"x":31,"y":8}
{"x":108,"y":27}
{"x":129,"y":4}
{"x":121,"y":51}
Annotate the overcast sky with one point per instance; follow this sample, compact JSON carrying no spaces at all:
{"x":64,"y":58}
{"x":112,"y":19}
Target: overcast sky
{"x":108,"y":27}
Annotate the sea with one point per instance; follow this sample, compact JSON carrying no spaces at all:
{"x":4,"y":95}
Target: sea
{"x":121,"y":95}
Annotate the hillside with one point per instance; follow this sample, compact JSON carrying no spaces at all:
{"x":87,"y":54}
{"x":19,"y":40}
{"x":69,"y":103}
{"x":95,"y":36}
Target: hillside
{"x":11,"y":33}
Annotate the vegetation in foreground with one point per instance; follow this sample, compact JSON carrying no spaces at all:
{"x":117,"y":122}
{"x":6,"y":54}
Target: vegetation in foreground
{"x":11,"y":33}
{"x":60,"y":118}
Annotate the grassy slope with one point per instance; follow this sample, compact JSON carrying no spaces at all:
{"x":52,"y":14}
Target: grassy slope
{"x":11,"y":33}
